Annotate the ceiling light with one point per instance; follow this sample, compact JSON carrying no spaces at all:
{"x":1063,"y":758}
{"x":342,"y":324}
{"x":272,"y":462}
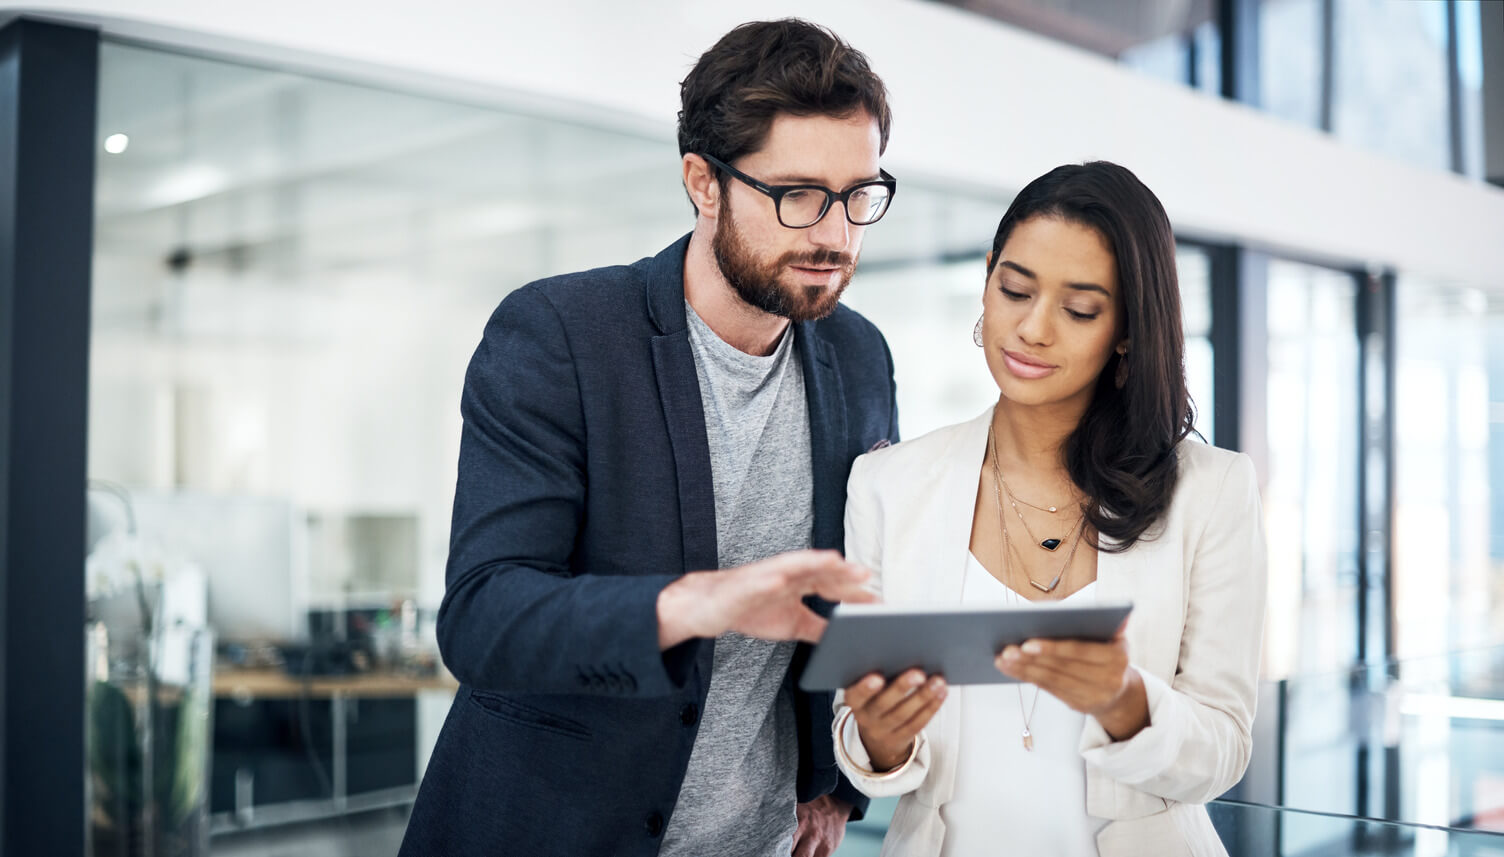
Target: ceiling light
{"x":116,"y":143}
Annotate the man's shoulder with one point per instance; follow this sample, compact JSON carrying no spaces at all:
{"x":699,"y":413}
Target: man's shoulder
{"x":610,"y":286}
{"x":848,"y":325}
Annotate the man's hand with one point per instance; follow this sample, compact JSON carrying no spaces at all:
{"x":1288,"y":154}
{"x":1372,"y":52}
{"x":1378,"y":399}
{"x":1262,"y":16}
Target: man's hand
{"x":822,"y":825}
{"x":762,"y":599}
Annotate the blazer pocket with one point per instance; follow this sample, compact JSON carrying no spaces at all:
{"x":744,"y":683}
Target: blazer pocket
{"x":513,"y":711}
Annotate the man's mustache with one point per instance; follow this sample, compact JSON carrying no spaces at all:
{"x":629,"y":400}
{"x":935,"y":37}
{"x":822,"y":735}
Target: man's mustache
{"x":819,"y":259}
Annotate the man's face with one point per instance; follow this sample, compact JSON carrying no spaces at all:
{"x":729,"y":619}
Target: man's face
{"x":795,"y":273}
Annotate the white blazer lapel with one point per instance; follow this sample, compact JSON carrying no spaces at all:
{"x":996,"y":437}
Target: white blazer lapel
{"x":955,"y":505}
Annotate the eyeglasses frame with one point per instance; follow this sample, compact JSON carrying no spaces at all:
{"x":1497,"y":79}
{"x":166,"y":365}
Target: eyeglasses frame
{"x":777,"y":192}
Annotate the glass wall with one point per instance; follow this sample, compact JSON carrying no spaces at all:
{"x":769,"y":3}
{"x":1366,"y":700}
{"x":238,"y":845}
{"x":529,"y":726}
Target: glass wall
{"x":1449,"y":497}
{"x":1389,"y":94}
{"x":1311,"y":494}
{"x":1290,"y":60}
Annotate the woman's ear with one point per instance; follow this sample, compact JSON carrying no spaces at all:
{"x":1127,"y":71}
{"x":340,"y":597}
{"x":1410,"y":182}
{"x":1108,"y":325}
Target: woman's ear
{"x":701,"y":185}
{"x":989,"y":260}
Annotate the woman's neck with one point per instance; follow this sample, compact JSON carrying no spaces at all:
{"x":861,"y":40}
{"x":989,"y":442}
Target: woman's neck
{"x":1033,"y":437}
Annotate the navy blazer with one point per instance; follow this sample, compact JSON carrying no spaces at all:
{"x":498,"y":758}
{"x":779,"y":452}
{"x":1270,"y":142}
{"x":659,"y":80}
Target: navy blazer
{"x":584,"y":489}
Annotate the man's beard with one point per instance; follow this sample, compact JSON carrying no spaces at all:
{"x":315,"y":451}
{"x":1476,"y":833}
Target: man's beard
{"x":758,"y":284}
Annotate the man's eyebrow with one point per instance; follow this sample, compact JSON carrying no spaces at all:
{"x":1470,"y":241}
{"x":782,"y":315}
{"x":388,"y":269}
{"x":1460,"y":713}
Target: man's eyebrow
{"x":786,"y":179}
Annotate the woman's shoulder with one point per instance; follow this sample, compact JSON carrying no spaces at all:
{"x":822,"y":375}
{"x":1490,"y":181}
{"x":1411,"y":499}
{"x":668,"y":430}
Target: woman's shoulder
{"x":921,"y":453}
{"x":1205,"y":468}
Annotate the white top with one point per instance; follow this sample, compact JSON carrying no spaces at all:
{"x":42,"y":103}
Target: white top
{"x":1035,"y":801}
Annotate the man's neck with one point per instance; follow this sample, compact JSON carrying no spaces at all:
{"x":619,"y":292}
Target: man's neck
{"x":738,"y":323}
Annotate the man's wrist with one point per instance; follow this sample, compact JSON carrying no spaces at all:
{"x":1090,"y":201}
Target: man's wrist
{"x":679,"y":606}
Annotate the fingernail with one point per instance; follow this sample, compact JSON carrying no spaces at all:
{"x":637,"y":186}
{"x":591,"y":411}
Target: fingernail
{"x":938,"y":686}
{"x":940,"y":694}
{"x":916,"y":680}
{"x":1033,"y":647}
{"x":874,"y":683}
{"x":1010,"y":653}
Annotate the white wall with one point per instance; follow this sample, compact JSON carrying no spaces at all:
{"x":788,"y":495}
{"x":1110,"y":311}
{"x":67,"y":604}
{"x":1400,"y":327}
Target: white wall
{"x":975,"y":102}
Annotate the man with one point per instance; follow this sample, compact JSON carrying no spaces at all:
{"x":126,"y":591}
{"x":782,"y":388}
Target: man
{"x":649,"y":454}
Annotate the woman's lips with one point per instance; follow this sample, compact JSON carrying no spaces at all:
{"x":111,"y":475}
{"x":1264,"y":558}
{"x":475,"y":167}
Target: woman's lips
{"x":1026,"y":367}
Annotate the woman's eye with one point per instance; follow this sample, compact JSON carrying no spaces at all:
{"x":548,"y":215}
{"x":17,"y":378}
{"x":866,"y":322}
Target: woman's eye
{"x":1010,"y":294}
{"x":1081,"y":316}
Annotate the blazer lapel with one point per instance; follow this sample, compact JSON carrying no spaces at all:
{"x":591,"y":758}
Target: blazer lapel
{"x":679,"y":393}
{"x":955,"y":505}
{"x":827,"y":436}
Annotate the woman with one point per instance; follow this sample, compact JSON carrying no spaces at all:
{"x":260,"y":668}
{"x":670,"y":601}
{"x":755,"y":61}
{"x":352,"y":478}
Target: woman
{"x":1080,"y":485}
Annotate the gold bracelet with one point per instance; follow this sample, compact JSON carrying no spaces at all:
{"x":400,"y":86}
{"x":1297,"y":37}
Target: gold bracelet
{"x":840,"y":741}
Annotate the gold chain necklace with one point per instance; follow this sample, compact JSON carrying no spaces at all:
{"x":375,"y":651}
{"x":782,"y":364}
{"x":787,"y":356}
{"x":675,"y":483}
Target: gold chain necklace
{"x":1079,"y":529}
{"x":1049,"y":544}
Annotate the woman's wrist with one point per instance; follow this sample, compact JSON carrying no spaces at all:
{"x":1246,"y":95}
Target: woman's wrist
{"x":1128,"y":714}
{"x":884,"y":761}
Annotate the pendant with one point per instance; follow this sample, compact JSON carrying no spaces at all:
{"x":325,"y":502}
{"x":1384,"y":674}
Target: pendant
{"x":1052,"y":510}
{"x":1028,"y":740}
{"x":1050,"y":544}
{"x":1042,"y":588}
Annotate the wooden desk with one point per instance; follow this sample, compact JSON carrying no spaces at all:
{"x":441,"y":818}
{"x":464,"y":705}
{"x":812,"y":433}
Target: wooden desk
{"x":272,"y":683}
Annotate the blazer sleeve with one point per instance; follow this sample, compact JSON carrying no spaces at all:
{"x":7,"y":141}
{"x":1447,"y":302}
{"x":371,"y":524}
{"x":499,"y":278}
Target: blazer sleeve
{"x":864,"y":546}
{"x":515,"y":616}
{"x":1199,"y":740}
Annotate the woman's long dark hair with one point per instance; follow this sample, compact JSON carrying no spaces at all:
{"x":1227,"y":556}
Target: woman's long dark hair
{"x":1122,"y":454}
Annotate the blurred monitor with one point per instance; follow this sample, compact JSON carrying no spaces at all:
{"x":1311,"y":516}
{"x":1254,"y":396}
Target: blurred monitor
{"x":250,"y":550}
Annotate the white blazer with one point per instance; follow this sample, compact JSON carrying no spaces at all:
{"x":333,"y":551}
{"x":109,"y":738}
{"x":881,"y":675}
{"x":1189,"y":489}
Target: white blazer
{"x":1197,"y":587}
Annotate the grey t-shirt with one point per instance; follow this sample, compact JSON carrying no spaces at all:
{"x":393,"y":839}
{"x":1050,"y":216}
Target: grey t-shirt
{"x":738,"y":794}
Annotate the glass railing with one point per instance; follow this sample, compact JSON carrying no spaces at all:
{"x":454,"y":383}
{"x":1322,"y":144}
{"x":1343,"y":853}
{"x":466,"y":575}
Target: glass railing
{"x":1419,"y":741}
{"x":1254,"y":830}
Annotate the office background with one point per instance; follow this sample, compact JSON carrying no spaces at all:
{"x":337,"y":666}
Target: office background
{"x":248,"y":251}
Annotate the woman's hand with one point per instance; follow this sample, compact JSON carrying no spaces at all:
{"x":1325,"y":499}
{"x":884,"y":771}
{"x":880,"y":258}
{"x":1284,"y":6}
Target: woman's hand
{"x":890,"y":715}
{"x":1093,"y":678}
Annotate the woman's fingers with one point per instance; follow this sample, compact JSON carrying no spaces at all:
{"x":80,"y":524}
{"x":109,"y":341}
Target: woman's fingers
{"x":926,"y":712}
{"x":861,"y":692}
{"x":901,"y":714}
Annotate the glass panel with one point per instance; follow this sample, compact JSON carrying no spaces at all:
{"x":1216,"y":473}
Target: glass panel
{"x":1470,"y":73}
{"x":1290,"y":60}
{"x":1310,"y":501}
{"x":1419,"y":741}
{"x":1390,"y":91}
{"x":1449,"y":493}
{"x":1195,"y":271}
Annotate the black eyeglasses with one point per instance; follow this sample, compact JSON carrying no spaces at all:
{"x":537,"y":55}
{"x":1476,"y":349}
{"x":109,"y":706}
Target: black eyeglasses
{"x":801,"y":206}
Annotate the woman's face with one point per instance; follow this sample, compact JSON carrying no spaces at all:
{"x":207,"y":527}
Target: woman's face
{"x":1052,"y":313}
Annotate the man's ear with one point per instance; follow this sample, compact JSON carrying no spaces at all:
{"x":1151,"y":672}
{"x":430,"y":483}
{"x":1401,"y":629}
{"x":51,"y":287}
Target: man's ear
{"x":701,"y":185}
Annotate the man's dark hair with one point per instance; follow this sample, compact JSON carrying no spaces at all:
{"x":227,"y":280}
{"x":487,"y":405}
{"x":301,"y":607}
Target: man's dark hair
{"x":1123,"y":452}
{"x":764,"y":68}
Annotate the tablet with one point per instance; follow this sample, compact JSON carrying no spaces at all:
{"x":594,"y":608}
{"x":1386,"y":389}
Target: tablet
{"x":959,"y":643}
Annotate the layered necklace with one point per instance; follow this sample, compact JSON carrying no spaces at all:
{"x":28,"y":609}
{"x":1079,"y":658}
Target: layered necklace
{"x":1073,"y":535}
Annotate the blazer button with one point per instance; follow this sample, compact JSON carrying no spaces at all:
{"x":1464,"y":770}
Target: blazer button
{"x":654,"y":824}
{"x":689,"y":714}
